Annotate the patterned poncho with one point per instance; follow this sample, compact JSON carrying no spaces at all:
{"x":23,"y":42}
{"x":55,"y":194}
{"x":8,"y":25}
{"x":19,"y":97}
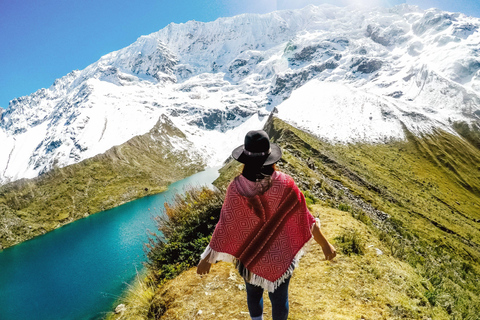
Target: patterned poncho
{"x":263,"y":232}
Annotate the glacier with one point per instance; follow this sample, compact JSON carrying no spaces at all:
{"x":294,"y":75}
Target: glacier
{"x":344,"y":74}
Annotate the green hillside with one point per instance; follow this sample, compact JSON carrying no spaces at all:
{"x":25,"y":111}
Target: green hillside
{"x":142,"y":166}
{"x":428,"y":186}
{"x":417,"y":201}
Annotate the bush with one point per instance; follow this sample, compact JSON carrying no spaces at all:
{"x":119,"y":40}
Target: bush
{"x":361,"y":216}
{"x":344,"y":207}
{"x":350,"y":242}
{"x":310,"y":199}
{"x":185,"y":228}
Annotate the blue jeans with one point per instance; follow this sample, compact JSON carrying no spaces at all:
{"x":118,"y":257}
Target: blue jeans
{"x":278,"y":298}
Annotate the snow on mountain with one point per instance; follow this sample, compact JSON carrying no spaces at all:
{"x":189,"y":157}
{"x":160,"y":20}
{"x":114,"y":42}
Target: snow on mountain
{"x":344,"y":74}
{"x":341,"y":113}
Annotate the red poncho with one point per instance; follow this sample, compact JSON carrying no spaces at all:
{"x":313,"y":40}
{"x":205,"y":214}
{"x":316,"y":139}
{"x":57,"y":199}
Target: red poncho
{"x":265,"y":232}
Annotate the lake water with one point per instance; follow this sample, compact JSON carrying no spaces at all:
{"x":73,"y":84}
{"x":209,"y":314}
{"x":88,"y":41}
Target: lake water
{"x":79,"y":270}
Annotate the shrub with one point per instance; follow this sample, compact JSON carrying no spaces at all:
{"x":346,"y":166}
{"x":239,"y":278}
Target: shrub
{"x":185,"y":228}
{"x":310,"y":199}
{"x":350,"y":242}
{"x":344,"y":207}
{"x":361,"y":216}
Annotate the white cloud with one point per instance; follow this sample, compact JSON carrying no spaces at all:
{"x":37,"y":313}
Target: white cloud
{"x":295,"y":4}
{"x":235,"y":7}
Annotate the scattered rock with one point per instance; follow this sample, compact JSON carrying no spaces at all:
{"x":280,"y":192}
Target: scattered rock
{"x":396,"y":94}
{"x":120,"y":308}
{"x":365,"y":65}
{"x":377,"y":251}
{"x":311,"y":164}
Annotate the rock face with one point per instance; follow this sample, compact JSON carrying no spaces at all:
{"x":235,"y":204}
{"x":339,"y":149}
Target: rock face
{"x":217,"y":80}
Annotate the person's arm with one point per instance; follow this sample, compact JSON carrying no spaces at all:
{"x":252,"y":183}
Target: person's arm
{"x":328,"y":250}
{"x":203,"y":266}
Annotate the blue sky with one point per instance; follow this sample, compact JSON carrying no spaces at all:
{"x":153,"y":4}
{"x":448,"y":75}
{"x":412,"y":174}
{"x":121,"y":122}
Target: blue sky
{"x":41,"y":41}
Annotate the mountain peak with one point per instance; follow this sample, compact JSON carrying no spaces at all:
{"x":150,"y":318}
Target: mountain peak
{"x":377,"y":70}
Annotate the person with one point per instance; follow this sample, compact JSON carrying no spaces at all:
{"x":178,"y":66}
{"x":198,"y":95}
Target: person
{"x":264,"y":224}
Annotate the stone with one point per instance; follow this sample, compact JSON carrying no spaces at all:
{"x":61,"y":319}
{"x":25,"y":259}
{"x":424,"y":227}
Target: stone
{"x":120,"y":308}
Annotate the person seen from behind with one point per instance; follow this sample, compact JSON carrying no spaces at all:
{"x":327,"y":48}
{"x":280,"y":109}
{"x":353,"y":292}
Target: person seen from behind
{"x":264,"y":224}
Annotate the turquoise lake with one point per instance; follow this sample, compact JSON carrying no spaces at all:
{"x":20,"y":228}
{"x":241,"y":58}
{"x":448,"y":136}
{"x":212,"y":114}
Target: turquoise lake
{"x":78,"y":271}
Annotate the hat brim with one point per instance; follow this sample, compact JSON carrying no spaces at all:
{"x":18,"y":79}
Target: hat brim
{"x":274,"y":156}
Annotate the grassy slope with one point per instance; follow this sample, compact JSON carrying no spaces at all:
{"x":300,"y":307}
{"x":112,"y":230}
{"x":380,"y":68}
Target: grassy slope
{"x":142,"y":166}
{"x":416,"y":200}
{"x":431,"y":185}
{"x":368,"y":286}
{"x":429,"y":188}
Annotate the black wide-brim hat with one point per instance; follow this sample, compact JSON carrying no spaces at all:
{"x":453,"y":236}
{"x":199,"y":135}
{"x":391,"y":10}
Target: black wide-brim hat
{"x":257,"y":149}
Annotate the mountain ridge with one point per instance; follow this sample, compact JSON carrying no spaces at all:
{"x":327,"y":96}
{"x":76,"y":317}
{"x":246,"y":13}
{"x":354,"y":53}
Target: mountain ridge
{"x":142,"y":166}
{"x":218,"y":79}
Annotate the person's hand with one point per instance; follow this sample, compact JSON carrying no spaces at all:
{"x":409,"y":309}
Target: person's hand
{"x":203,"y":267}
{"x":329,"y":251}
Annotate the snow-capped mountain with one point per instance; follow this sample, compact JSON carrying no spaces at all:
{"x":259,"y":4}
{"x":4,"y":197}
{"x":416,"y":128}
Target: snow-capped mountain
{"x":344,"y":74}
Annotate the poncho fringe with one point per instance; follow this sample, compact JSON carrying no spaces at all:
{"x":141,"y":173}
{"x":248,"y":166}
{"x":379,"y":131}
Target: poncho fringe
{"x":253,"y":278}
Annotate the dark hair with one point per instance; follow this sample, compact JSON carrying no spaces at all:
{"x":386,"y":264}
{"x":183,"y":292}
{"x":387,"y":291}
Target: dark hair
{"x":255,"y":172}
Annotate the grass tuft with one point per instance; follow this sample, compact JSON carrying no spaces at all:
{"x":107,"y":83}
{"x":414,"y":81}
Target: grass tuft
{"x":350,"y":242}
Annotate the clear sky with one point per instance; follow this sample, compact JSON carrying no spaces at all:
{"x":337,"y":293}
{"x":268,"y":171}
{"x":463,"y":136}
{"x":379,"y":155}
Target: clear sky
{"x":41,"y":41}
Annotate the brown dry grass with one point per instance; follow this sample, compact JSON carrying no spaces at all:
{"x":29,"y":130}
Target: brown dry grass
{"x":369,"y":286}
